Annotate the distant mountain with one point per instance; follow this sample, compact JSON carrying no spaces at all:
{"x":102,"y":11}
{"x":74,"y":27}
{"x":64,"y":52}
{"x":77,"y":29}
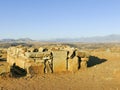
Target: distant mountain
{"x":109,"y":38}
{"x":97,"y":39}
{"x":25,"y":39}
{"x":21,"y":40}
{"x":7,"y":40}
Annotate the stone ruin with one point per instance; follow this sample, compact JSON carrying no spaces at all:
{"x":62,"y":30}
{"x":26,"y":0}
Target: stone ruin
{"x":3,"y":53}
{"x":47,"y":60}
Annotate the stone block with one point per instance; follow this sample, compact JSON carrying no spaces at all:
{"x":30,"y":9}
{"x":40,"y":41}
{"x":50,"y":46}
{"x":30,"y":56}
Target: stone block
{"x":59,"y":61}
{"x":37,"y":68}
{"x":73,"y":64}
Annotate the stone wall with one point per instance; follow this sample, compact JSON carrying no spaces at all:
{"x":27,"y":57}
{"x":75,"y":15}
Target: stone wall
{"x":42,"y":60}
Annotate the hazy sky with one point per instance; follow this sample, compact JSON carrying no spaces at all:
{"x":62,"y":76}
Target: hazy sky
{"x":48,"y":19}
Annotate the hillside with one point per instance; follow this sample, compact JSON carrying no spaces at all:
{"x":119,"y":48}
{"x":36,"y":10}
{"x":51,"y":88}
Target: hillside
{"x":102,"y":76}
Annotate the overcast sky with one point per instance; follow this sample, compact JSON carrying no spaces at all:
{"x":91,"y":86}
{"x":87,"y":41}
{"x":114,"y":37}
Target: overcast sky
{"x":50,"y":19}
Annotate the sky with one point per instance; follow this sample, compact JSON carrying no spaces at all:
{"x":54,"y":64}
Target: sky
{"x":51,"y":19}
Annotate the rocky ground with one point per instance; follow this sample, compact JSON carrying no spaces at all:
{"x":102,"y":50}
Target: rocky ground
{"x":104,"y":75}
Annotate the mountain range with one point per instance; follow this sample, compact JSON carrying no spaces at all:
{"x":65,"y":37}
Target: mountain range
{"x":21,"y":40}
{"x":109,"y":38}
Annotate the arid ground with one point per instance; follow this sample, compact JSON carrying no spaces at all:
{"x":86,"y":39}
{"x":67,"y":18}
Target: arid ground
{"x":103,"y":73}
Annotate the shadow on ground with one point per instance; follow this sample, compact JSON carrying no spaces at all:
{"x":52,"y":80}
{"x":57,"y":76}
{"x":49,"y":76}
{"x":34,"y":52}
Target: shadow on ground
{"x":93,"y":60}
{"x":2,"y":59}
{"x":17,"y":71}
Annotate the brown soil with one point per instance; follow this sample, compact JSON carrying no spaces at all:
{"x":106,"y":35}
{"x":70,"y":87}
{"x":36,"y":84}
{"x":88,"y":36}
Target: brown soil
{"x":103,"y":74}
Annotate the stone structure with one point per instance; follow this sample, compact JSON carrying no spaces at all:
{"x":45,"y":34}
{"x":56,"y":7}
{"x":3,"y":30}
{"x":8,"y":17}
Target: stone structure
{"x":19,"y":56}
{"x":3,"y":53}
{"x":47,"y":60}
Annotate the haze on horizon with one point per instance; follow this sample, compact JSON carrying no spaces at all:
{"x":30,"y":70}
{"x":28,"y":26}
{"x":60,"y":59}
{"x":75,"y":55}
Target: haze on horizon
{"x":50,"y":19}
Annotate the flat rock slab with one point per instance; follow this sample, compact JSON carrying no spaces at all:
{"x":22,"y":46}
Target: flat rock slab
{"x":37,"y":68}
{"x":4,"y":67}
{"x":59,"y":61}
{"x":73,"y":64}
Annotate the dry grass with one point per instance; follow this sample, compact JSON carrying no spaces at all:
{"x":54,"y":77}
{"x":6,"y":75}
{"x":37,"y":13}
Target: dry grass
{"x":102,"y":74}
